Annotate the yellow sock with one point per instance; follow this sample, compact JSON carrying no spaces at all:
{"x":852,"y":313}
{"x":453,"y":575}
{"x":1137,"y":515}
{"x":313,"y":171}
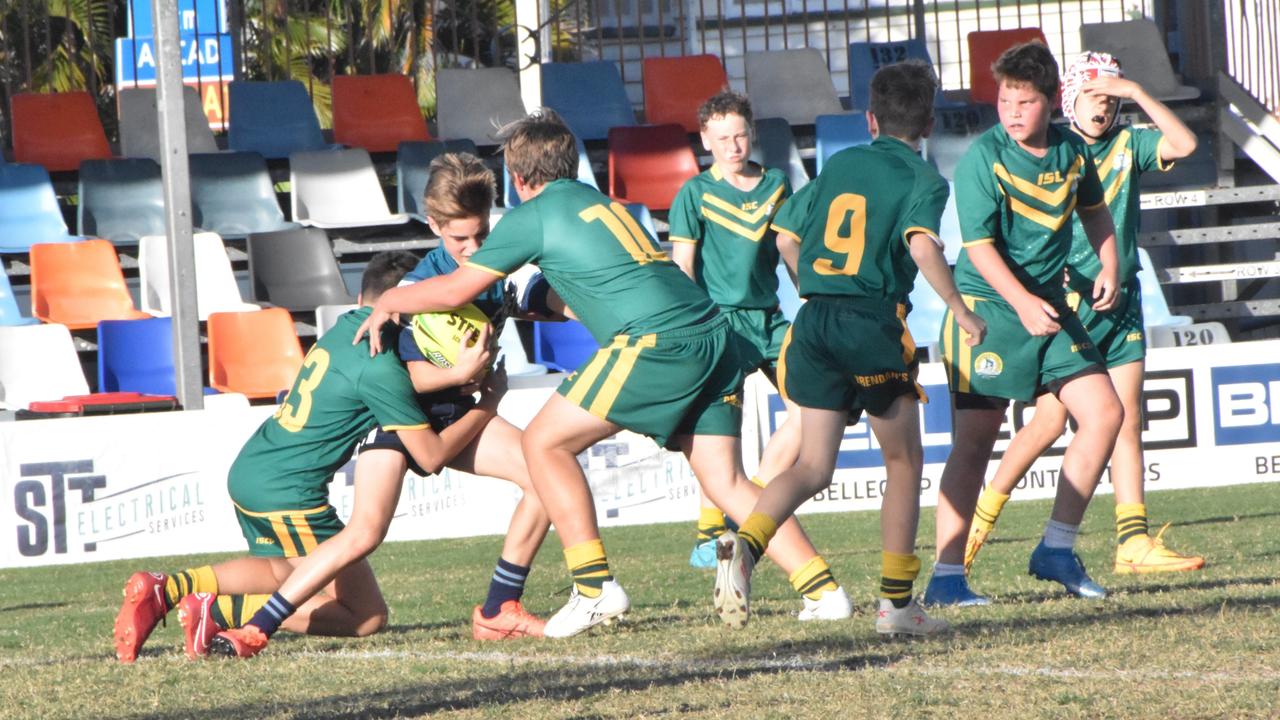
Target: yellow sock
{"x":758,"y":530}
{"x":813,"y":578}
{"x":758,"y":482}
{"x":1131,"y":521}
{"x":990,"y":503}
{"x":589,"y":567}
{"x":710,"y":524}
{"x":233,"y":611}
{"x":897,"y":575}
{"x":181,"y":584}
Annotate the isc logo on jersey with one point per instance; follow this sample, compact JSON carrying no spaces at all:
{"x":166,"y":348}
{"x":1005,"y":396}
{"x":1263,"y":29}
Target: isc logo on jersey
{"x":1246,"y":407}
{"x":439,"y":335}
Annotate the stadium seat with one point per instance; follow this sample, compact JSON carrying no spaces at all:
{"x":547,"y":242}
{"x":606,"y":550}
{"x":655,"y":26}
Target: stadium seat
{"x":1142,"y":55}
{"x":376,"y":112}
{"x":253,"y":353}
{"x":791,"y":84}
{"x":216,"y":287}
{"x":511,"y":350}
{"x":140,"y":126}
{"x":865,"y":58}
{"x":775,"y":147}
{"x":836,"y":132}
{"x":10,"y":314}
{"x":295,"y":269}
{"x":232,"y":195}
{"x":585,"y":175}
{"x":641,"y":213}
{"x":472,"y":103}
{"x":29,"y":212}
{"x":649,"y":163}
{"x":1155,"y":308}
{"x":413,"y":170}
{"x":985,"y":47}
{"x":38,"y":362}
{"x":562,"y":346}
{"x":588,"y":95}
{"x":57,"y":130}
{"x":272,"y":119}
{"x":121,"y":200}
{"x":327,"y":316}
{"x":674,"y":87}
{"x":78,"y":284}
{"x":136,"y":356}
{"x":338,"y":188}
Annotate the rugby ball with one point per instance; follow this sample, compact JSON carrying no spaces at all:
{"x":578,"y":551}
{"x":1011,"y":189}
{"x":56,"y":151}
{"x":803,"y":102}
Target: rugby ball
{"x":439,"y":335}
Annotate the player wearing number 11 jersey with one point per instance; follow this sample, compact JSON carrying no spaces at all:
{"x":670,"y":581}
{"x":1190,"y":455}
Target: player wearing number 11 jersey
{"x":667,"y":367}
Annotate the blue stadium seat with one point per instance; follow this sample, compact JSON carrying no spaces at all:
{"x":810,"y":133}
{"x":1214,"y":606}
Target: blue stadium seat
{"x":562,"y":346}
{"x":788,"y":296}
{"x":29,"y":211}
{"x":233,"y":196}
{"x":1155,"y":309}
{"x":121,"y":199}
{"x":837,"y":132}
{"x":865,"y":58}
{"x":413,"y":163}
{"x":10,"y":315}
{"x":588,"y":95}
{"x":136,"y":356}
{"x":775,"y":147}
{"x":585,"y":175}
{"x":925,"y":319}
{"x":273,"y":119}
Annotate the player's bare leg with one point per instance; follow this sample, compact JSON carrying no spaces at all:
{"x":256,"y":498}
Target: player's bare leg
{"x":783,"y":447}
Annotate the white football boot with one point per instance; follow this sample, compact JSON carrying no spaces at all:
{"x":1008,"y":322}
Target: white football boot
{"x":910,"y":620}
{"x":582,"y":612}
{"x":833,"y":605}
{"x":734,"y":564}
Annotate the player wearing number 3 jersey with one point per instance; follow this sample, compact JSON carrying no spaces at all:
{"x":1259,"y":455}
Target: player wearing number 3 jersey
{"x":667,"y":367}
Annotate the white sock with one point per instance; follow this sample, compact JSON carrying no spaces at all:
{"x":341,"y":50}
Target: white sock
{"x":941,"y":569}
{"x":1060,"y":536}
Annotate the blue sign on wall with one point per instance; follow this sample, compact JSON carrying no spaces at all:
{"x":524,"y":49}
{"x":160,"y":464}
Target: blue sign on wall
{"x":195,"y":17}
{"x":204,"y":57}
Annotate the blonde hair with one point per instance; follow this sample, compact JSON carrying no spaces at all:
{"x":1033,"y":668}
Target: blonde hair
{"x":460,"y":187}
{"x":539,"y":147}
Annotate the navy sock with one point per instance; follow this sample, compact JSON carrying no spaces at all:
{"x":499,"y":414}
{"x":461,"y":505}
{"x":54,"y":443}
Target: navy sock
{"x":270,"y":615}
{"x":506,"y":584}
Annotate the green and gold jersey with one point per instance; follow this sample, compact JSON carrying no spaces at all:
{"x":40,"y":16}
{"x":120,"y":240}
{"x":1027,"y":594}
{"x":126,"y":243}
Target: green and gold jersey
{"x":737,"y":252}
{"x":855,"y":219}
{"x":339,"y":395}
{"x":1121,"y":156}
{"x":598,"y":259}
{"x":1023,"y":205}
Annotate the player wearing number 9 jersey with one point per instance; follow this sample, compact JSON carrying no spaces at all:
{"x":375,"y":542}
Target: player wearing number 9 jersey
{"x":667,"y":367}
{"x":279,"y":485}
{"x":855,"y":237}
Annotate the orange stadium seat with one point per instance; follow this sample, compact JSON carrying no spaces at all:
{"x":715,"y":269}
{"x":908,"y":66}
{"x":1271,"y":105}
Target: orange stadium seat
{"x":985,"y":47}
{"x":77,"y":284}
{"x":376,"y":112}
{"x":57,"y":130}
{"x":649,"y":163}
{"x":256,"y":353}
{"x":674,"y":87}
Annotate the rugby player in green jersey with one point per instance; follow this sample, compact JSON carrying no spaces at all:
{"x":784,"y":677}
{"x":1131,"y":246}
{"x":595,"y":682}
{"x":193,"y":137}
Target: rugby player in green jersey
{"x":1016,"y":189}
{"x":720,"y":237}
{"x":306,"y":571}
{"x":667,"y":367}
{"x":1092,"y":90}
{"x":855,"y":238}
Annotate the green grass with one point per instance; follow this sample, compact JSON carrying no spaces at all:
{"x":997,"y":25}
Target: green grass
{"x":1203,"y":644}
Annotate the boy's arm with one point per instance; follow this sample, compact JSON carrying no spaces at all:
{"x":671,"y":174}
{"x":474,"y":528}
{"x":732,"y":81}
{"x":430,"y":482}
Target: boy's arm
{"x":442,"y":292}
{"x":472,"y":362}
{"x":432,"y":452}
{"x":1036,"y":315}
{"x":928,"y":256}
{"x":1179,"y":141}
{"x":685,"y":256}
{"x":789,"y":249}
{"x":1101,"y":231}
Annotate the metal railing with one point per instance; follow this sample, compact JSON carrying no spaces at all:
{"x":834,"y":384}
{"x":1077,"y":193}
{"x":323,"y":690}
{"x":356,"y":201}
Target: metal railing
{"x":1253,"y":46}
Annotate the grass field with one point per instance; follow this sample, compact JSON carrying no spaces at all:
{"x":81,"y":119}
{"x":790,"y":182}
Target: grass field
{"x":1203,"y":644}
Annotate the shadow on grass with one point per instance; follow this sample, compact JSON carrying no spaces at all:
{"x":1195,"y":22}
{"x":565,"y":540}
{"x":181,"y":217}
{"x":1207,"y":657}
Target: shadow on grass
{"x":1219,"y":519}
{"x":35,"y":606}
{"x":1141,"y":588}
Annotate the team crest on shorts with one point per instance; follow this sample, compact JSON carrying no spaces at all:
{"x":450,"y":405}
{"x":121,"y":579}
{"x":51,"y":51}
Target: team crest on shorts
{"x":988,"y":364}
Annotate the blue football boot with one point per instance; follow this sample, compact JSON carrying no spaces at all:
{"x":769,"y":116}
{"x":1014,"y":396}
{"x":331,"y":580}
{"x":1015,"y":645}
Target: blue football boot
{"x":1062,"y":565}
{"x":951,"y":590}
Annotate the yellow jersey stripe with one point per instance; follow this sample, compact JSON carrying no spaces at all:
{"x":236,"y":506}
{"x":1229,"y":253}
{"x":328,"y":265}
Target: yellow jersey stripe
{"x":751,"y":216}
{"x":393,"y":428}
{"x":681,"y":239}
{"x":781,"y":372}
{"x":778,"y":228}
{"x":1048,"y":197}
{"x":979,"y":241}
{"x":948,"y":347}
{"x":966,"y":352}
{"x":617,"y":377}
{"x":1122,"y":142}
{"x":305,"y":533}
{"x":482,"y":268}
{"x":1161,"y":164}
{"x":1042,"y":218}
{"x":282,"y":534}
{"x":588,"y":378}
{"x":282,"y":513}
{"x":735,"y":228}
{"x":933,"y":235}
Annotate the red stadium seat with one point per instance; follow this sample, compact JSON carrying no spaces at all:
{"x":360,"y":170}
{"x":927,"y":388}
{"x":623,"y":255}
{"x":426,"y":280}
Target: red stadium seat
{"x":376,"y":112}
{"x":77,"y":284}
{"x":253,"y":353}
{"x":985,"y":47}
{"x":674,"y":87}
{"x":649,"y":163}
{"x":57,"y":130}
